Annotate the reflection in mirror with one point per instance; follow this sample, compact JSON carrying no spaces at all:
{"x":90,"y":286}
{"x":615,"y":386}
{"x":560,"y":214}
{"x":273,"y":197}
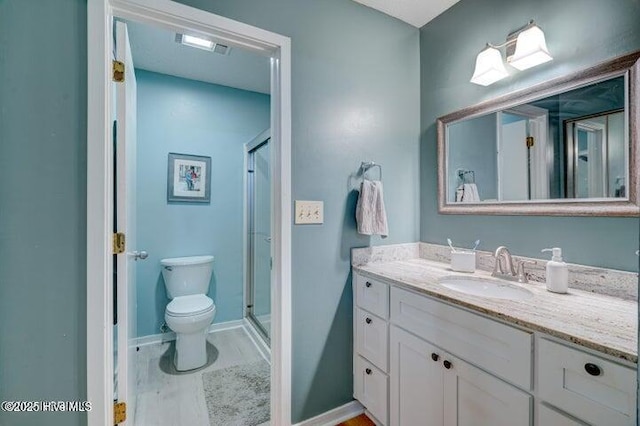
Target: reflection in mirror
{"x":566,"y":146}
{"x":595,"y":164}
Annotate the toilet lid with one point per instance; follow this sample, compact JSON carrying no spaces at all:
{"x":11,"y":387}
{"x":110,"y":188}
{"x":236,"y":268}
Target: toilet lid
{"x":189,"y":305}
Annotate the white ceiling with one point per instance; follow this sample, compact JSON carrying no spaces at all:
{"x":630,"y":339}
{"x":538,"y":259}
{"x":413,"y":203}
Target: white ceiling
{"x":155,"y":49}
{"x":414,"y":12}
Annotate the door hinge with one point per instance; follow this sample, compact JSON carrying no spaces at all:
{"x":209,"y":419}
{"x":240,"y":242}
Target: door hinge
{"x":530,"y":141}
{"x":118,"y":243}
{"x":119,"y":412}
{"x":118,"y":71}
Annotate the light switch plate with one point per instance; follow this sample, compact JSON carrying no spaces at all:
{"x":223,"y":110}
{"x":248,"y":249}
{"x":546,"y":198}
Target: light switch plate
{"x":309,"y":212}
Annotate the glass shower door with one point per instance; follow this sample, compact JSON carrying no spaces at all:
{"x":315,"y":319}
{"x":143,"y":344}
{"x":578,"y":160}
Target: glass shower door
{"x":259,"y":250}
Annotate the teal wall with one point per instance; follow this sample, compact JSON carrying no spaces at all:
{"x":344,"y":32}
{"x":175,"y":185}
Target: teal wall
{"x":355,"y":97}
{"x":191,"y":117}
{"x":43,"y":128}
{"x":579,"y":33}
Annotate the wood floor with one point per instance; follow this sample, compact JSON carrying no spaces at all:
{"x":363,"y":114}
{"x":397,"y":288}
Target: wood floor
{"x":170,"y":398}
{"x":361,"y":420}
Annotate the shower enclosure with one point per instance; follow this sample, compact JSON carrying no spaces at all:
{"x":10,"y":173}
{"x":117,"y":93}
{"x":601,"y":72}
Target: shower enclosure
{"x":258,"y":275}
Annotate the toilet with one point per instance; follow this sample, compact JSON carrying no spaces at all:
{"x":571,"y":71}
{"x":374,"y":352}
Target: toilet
{"x":191,"y":311}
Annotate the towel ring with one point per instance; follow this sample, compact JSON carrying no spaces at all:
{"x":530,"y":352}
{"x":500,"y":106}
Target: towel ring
{"x":462,"y":175}
{"x":366,"y":165}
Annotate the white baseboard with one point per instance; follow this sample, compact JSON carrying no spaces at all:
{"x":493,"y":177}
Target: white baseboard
{"x":170,"y":335}
{"x":335,"y":416}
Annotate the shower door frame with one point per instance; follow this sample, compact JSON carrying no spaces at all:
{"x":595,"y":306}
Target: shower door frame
{"x":100,"y":190}
{"x":249,"y":203}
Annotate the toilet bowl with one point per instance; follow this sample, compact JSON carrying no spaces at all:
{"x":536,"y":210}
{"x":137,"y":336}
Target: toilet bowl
{"x":190,"y":311}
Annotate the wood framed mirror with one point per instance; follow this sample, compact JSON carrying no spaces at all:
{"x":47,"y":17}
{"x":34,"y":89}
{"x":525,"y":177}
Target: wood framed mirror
{"x":567,"y":147}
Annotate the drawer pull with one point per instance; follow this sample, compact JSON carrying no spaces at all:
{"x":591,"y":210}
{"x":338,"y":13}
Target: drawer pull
{"x":592,"y":369}
{"x":368,"y":284}
{"x":368,"y":320}
{"x":368,"y":371}
{"x":435,"y":356}
{"x":447,"y":364}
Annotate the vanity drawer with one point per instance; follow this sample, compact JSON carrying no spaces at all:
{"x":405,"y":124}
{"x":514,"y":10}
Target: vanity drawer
{"x":372,"y":341}
{"x":371,"y":388}
{"x":593,"y":389}
{"x":550,"y":417}
{"x":372,"y":295}
{"x":500,"y":349}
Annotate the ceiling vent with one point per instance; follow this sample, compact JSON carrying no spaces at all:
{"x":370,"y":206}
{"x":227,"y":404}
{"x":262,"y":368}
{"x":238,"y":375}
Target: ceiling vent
{"x":221,"y":49}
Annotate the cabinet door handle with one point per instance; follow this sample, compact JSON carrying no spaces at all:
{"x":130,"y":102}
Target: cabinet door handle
{"x":368,"y":320}
{"x":368,"y":371}
{"x":447,"y":364}
{"x":368,"y":284}
{"x":592,"y":369}
{"x":435,"y":356}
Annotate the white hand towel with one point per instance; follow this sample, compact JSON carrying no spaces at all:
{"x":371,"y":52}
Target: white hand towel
{"x":371,"y":215}
{"x":470,"y":193}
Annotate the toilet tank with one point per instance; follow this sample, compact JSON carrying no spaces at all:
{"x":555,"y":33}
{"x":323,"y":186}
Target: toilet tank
{"x":187,"y":275}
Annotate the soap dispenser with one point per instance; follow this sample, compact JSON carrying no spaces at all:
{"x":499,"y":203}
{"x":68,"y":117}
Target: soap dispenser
{"x":557,"y":272}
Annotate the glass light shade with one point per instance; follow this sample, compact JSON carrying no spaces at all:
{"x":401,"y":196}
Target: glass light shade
{"x":531,"y":49}
{"x":489,"y":67}
{"x":198,"y":42}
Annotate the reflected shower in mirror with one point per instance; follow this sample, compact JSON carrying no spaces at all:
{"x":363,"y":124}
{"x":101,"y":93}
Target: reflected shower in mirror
{"x":571,"y":145}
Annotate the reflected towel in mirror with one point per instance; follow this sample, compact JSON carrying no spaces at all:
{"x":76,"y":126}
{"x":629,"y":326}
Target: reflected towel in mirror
{"x":467,"y":193}
{"x":371,"y":215}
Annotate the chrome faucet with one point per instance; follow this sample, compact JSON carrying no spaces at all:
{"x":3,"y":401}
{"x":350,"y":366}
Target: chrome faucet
{"x":503,"y":268}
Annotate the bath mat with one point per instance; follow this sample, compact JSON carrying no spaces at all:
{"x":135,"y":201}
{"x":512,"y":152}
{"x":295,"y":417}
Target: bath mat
{"x":238,"y":395}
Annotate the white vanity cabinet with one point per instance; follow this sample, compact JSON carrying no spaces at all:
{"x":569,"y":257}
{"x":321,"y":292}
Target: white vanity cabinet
{"x":422,"y":362}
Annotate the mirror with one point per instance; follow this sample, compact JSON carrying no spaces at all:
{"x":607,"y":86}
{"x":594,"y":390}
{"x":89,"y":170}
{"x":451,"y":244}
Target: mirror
{"x":566,"y":147}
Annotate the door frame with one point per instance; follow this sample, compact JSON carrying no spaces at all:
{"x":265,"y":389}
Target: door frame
{"x":175,"y":16}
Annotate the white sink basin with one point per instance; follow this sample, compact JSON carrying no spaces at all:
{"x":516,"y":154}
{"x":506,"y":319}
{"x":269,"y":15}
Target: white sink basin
{"x":484,"y":287}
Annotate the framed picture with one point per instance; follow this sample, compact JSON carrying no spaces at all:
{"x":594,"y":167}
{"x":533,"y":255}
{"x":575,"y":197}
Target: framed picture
{"x":188,"y":179}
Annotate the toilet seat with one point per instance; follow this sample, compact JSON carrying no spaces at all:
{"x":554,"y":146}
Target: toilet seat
{"x":184,"y":306}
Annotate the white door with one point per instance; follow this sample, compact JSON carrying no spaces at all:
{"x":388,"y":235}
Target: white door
{"x":125,"y":223}
{"x":416,"y":375}
{"x":513,"y":162}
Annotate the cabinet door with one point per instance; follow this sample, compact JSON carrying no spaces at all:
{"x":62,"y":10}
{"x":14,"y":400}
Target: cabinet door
{"x":416,"y":396}
{"x":473,"y":397}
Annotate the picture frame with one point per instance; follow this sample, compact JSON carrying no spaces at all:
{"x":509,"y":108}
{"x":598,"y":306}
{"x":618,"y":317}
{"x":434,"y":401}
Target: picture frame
{"x":188,"y":178}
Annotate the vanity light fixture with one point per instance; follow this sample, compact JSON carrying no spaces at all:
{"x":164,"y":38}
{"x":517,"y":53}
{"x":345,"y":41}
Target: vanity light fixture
{"x":531,"y":49}
{"x":489,"y":67}
{"x":525,"y":48}
{"x":197,"y":42}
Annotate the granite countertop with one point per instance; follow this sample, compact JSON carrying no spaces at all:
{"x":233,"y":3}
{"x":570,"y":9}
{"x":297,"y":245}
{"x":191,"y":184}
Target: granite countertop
{"x":603,"y":323}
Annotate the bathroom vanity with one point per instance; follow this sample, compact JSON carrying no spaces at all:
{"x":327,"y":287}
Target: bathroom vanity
{"x":428,"y":355}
